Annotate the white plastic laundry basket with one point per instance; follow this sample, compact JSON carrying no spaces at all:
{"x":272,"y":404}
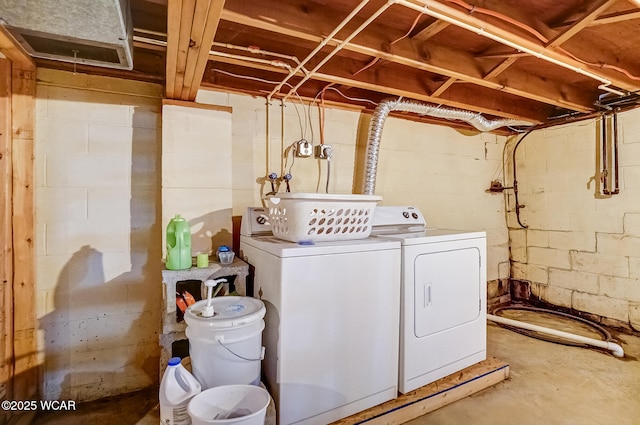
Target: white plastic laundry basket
{"x":317,"y":217}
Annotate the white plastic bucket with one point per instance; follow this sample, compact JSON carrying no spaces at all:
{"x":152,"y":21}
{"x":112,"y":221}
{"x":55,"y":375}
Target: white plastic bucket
{"x":227,"y":348}
{"x":230,"y":404}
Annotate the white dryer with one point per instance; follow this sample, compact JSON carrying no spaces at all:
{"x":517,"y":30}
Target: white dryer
{"x":332,"y":322}
{"x":443,"y":296}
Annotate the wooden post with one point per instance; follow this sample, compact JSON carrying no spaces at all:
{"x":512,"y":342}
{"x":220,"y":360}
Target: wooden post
{"x":18,"y":323}
{"x":23,"y":221}
{"x":6,"y":235}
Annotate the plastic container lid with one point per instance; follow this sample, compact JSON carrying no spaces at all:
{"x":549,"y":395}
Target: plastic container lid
{"x":224,"y":248}
{"x":229,"y":312}
{"x":174,"y":361}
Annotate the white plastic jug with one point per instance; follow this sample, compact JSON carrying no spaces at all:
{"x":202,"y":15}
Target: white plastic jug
{"x":178,"y":386}
{"x":225,"y":339}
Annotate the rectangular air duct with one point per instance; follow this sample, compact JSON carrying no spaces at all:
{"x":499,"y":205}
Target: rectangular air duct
{"x":90,"y":32}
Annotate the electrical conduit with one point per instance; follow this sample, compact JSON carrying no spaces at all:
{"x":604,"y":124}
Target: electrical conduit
{"x":615,"y":349}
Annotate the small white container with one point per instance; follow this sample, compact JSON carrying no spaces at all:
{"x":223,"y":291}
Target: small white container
{"x":230,"y":404}
{"x":177,"y":387}
{"x":226,"y":257}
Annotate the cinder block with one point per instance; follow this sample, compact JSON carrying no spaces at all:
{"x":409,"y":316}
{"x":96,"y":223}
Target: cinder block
{"x":631,"y":223}
{"x":578,"y":241}
{"x":631,"y":176}
{"x":538,"y":238}
{"x":570,"y":279}
{"x":170,"y":278}
{"x":634,"y":316}
{"x":556,"y":258}
{"x":634,"y":267}
{"x":211,"y":97}
{"x":618,"y":244}
{"x":620,"y":287}
{"x":601,"y":305}
{"x":554,"y":295}
{"x":610,"y":265}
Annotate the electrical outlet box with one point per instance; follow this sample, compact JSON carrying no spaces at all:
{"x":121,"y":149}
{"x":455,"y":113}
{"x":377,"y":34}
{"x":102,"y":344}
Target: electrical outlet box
{"x":303,"y":149}
{"x":324,"y":151}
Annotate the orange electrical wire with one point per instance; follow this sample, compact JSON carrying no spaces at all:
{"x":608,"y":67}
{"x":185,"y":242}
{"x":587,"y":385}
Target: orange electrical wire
{"x":539,"y":36}
{"x":376,"y":59}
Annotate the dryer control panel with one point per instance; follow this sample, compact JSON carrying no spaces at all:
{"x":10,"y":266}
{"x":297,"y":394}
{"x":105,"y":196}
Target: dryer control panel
{"x":398,"y":217}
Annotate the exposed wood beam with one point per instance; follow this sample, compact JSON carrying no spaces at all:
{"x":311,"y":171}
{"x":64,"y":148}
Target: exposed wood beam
{"x":501,"y":67}
{"x":594,"y":11}
{"x":399,"y":83}
{"x":444,"y":86}
{"x":13,"y":51}
{"x":501,"y":35}
{"x":199,"y":55}
{"x":610,"y":18}
{"x":6,"y":235}
{"x":191,"y":27}
{"x":433,"y":58}
{"x":430,"y":30}
{"x":23,"y":87}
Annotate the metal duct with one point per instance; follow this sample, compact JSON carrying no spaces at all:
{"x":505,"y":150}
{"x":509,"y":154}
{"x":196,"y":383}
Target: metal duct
{"x":90,"y":32}
{"x":387,"y":106}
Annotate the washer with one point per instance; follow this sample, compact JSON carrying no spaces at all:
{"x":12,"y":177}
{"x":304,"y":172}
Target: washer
{"x":332,"y":322}
{"x":443,"y":302}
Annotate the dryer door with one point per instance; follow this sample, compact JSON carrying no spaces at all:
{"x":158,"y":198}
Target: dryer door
{"x":446,"y":290}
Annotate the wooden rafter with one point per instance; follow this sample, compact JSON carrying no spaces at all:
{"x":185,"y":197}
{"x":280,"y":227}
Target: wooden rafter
{"x":437,"y":59}
{"x":430,"y":30}
{"x":598,"y":8}
{"x":594,"y":11}
{"x":466,"y":20}
{"x":607,"y":19}
{"x":191,"y":27}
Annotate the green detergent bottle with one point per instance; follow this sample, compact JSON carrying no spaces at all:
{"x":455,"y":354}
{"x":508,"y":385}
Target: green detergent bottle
{"x":178,"y":244}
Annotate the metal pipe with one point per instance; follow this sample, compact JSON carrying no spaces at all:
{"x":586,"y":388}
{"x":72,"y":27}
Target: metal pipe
{"x":615,"y":349}
{"x":277,"y":64}
{"x":614,"y":149}
{"x":387,"y":106}
{"x":258,"y":50}
{"x":323,"y":43}
{"x":515,"y":179}
{"x":340,"y":46}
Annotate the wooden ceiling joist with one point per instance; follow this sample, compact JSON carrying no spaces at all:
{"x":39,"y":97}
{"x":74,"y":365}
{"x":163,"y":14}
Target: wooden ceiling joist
{"x":191,"y":27}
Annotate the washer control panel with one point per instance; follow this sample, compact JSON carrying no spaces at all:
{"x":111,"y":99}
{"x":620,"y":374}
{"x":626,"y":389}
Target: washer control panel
{"x":255,"y":221}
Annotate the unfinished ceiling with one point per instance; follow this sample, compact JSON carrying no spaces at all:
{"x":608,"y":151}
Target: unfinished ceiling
{"x":539,"y":61}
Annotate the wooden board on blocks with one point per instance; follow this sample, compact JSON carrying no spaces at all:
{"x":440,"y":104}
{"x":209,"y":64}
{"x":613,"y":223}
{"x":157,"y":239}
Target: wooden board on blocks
{"x":433,"y":396}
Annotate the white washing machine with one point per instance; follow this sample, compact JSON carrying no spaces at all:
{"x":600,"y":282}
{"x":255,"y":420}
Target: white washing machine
{"x":443,"y":301}
{"x":332,"y":322}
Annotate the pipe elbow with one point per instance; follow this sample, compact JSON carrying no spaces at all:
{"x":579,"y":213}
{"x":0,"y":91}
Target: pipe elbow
{"x":615,"y":349}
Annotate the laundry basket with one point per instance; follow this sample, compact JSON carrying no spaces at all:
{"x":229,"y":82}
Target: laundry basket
{"x":317,"y":217}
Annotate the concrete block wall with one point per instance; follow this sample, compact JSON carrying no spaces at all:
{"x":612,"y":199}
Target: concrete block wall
{"x":442,"y":171}
{"x":98,"y":243}
{"x":197,"y":173}
{"x":581,"y":249}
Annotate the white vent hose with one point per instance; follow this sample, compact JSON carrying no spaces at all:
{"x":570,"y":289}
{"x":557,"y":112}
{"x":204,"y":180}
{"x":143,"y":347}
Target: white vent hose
{"x":615,"y":349}
{"x":386,"y":106}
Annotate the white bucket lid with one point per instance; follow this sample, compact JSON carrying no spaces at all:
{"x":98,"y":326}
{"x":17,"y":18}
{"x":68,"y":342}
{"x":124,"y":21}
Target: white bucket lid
{"x":229,"y":312}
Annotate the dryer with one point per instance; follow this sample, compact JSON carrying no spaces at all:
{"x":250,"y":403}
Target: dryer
{"x":443,"y":296}
{"x":332,"y":321}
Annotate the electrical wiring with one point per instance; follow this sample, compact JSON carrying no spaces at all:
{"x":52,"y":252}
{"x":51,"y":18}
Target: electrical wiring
{"x":376,"y":59}
{"x":539,"y":36}
{"x":262,"y":80}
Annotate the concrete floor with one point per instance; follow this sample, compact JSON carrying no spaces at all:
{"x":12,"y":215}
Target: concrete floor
{"x":550,"y":384}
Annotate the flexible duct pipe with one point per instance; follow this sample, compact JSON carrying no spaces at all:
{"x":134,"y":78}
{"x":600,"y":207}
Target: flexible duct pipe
{"x":615,"y":349}
{"x":387,"y":106}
